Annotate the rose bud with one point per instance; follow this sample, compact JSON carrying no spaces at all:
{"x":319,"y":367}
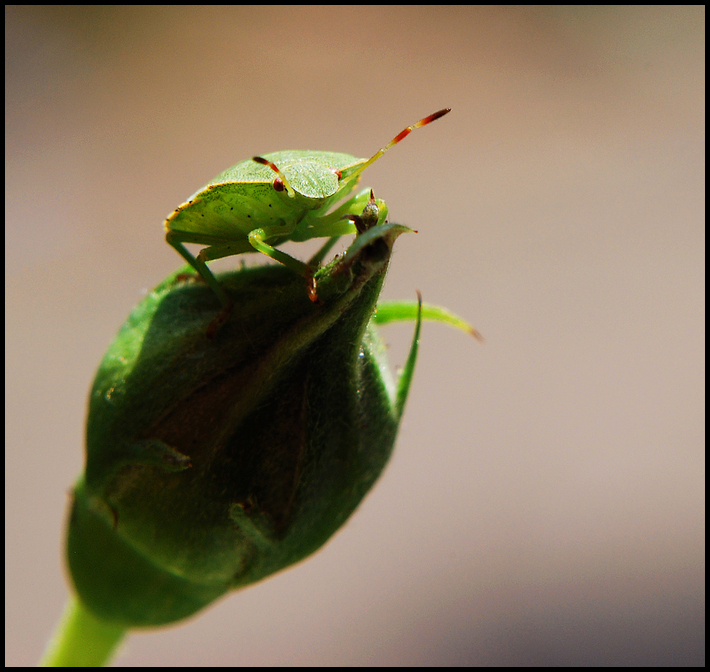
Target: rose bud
{"x":215,"y":462}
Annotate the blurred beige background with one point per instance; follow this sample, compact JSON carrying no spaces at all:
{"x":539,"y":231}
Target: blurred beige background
{"x":545,"y":504}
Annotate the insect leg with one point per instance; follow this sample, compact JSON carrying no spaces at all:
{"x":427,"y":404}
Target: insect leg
{"x":257,"y":238}
{"x":318,"y":257}
{"x":201,"y":267}
{"x":334,"y":224}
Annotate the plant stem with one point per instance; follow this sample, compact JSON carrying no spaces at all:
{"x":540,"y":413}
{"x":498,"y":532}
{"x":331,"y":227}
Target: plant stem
{"x":81,"y":640}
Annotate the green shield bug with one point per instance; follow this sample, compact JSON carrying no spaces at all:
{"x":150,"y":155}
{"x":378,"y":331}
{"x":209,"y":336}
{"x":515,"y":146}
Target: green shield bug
{"x":262,"y":202}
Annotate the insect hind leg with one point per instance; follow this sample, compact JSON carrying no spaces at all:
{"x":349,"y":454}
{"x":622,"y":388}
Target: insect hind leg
{"x":201,"y":267}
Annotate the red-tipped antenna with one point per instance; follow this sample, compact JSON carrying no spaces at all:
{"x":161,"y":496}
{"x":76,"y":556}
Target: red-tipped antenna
{"x":398,"y":138}
{"x":281,"y":177}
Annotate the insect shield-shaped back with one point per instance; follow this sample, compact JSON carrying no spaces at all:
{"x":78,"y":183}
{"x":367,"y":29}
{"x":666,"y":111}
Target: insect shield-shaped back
{"x":212,"y":464}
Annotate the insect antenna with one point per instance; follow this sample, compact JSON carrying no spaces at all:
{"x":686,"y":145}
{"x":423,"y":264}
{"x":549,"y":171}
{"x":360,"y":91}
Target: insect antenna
{"x":398,"y":138}
{"x":280,"y":183}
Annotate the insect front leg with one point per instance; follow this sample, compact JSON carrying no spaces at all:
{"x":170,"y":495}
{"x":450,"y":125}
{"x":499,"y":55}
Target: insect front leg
{"x":257,"y":238}
{"x":336,"y":223}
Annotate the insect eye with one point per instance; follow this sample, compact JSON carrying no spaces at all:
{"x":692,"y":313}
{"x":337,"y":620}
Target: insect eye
{"x":338,"y":174}
{"x":278,"y":184}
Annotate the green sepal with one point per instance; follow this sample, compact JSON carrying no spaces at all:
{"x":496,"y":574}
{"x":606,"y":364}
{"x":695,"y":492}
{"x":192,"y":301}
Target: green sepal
{"x":401,"y":311}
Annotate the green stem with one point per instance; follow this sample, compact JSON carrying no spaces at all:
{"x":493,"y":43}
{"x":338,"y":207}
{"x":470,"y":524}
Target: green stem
{"x":81,"y":640}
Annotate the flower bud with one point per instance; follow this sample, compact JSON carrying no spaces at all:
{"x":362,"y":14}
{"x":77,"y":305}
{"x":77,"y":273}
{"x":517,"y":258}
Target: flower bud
{"x":213,"y":463}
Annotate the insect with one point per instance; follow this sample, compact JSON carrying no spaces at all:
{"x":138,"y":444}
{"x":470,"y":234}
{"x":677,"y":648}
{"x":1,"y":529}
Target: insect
{"x":262,"y":202}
